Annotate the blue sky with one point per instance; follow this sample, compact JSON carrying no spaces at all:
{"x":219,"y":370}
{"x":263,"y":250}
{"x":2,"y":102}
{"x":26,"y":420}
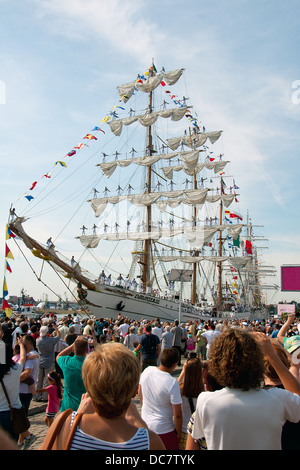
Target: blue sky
{"x":61,"y":63}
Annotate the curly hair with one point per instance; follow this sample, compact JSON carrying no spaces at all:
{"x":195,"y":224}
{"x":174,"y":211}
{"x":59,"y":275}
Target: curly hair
{"x":236,"y":360}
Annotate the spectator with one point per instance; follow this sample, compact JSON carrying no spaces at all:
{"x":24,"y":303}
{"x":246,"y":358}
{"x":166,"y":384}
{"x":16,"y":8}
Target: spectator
{"x":71,"y":365}
{"x":160,"y":397}
{"x":111,"y":375}
{"x":46,"y":348}
{"x":64,"y":329}
{"x":7,"y":334}
{"x":150,"y":346}
{"x":100,"y":324}
{"x":71,"y":335}
{"x":275,"y":332}
{"x":157,"y":330}
{"x":210,"y":385}
{"x":54,"y":390}
{"x":290,"y":438}
{"x":77,"y":326}
{"x":201,"y":343}
{"x":35,"y":332}
{"x":167,"y":338}
{"x":16,"y":333}
{"x":285,"y":329}
{"x":89,"y":328}
{"x":10,"y":373}
{"x":241,"y":415}
{"x":209,"y":337}
{"x":29,"y":376}
{"x":191,"y":385}
{"x":131,"y":338}
{"x":122,"y":330}
{"x":177,"y":338}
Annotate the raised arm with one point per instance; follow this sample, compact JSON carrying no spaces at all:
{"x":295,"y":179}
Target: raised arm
{"x":285,"y":328}
{"x":288,"y":380}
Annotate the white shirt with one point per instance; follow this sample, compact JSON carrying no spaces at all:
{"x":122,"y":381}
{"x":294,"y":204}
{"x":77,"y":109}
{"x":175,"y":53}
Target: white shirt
{"x":123,"y":329}
{"x":12,"y":384}
{"x":157,"y":331}
{"x":32,"y":364}
{"x":231,"y":419}
{"x":210,"y":335}
{"x":160,"y":391}
{"x":77,"y":328}
{"x":129,"y":340}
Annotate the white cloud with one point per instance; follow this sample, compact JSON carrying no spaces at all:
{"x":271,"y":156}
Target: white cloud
{"x":119,"y":23}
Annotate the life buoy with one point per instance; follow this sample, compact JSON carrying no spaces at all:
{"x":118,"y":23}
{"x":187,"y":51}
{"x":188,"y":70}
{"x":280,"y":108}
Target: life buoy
{"x":120,"y":305}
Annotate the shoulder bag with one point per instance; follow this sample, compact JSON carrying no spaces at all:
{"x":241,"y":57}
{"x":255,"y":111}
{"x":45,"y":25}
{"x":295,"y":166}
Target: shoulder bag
{"x":58,"y":424}
{"x":17,"y":415}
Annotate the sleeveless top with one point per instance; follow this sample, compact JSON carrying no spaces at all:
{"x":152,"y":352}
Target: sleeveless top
{"x":83,"y":441}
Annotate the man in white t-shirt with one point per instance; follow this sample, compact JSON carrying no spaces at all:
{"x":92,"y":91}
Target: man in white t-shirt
{"x":160,"y":397}
{"x":209,"y":336}
{"x":123,"y":329}
{"x":157,"y":330}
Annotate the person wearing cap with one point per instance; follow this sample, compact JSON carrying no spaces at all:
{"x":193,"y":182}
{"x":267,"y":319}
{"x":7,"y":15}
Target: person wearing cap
{"x":290,"y":437}
{"x":45,"y":345}
{"x":292,"y":346}
{"x":77,"y":326}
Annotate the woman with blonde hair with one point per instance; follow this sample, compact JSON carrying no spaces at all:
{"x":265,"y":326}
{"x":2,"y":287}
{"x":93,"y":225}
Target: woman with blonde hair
{"x":111,"y":377}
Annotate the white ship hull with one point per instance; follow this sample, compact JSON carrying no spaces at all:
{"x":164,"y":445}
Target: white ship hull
{"x":108,"y":302}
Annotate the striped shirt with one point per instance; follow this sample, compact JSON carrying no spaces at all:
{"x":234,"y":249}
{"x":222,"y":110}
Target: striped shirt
{"x":83,"y":441}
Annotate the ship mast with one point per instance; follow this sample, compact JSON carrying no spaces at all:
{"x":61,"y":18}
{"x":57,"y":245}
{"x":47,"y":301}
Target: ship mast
{"x":194,"y":277}
{"x":220,"y":298}
{"x":147,"y":243}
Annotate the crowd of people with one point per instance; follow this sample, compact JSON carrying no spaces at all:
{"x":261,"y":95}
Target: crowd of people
{"x":233,"y":372}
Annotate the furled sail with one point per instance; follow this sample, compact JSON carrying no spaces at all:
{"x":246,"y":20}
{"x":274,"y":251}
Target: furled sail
{"x":147,"y":119}
{"x":148,"y":84}
{"x":190,"y":197}
{"x":196,"y":140}
{"x":238,"y":262}
{"x":191,"y":168}
{"x":196,"y":237}
{"x":189,"y":158}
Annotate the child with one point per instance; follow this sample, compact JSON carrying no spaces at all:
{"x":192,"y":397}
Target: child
{"x":190,"y":344}
{"x":137,"y":354}
{"x":29,"y":381}
{"x":54,"y":391}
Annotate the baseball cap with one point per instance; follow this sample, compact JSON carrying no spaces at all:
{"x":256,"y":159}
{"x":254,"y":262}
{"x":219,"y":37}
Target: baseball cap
{"x":292,"y":343}
{"x":43,"y":330}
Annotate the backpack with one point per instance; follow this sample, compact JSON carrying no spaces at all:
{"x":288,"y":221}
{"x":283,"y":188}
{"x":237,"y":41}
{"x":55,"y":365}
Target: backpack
{"x":151,"y":344}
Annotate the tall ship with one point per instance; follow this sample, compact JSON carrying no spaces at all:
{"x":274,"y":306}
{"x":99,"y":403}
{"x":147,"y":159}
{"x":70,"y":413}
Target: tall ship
{"x":164,"y":236}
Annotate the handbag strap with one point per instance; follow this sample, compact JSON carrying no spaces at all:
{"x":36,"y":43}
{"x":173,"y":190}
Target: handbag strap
{"x":57,"y":426}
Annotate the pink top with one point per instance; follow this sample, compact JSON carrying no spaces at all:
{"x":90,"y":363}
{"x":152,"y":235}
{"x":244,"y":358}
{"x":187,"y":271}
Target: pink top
{"x":53,"y":400}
